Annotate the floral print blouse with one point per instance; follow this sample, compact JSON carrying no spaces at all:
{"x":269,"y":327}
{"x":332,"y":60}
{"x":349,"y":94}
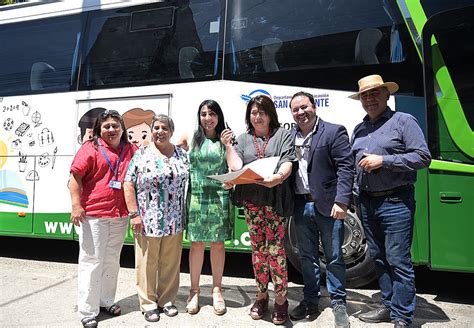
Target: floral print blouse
{"x":160,"y":185}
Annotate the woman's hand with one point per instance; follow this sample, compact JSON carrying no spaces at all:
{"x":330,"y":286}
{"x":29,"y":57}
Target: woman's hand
{"x":271,"y":181}
{"x":78,"y":215}
{"x":137,"y":225}
{"x":227,"y":185}
{"x":226,"y":137}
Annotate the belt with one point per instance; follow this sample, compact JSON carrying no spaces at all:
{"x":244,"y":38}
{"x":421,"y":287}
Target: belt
{"x":388,"y":192}
{"x":306,"y":197}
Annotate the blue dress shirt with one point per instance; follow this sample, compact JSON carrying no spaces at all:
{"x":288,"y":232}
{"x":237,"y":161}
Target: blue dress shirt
{"x":398,"y":138}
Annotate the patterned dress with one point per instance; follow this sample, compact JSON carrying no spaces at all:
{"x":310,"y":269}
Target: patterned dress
{"x":208,"y":214}
{"x":160,"y":185}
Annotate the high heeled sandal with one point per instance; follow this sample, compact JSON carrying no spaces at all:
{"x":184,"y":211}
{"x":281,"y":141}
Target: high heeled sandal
{"x":218,"y":301}
{"x":280,"y":313}
{"x":192,"y":303}
{"x":259,"y":308}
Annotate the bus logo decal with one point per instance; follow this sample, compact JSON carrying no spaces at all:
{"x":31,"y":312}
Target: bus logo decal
{"x":247,"y":98}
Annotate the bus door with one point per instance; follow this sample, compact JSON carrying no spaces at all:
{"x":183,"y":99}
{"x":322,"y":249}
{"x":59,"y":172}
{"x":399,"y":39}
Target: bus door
{"x":449,"y":69}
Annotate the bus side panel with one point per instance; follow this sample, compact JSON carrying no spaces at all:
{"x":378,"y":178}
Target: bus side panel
{"x":17,"y":170}
{"x":54,"y":225}
{"x":38,"y":145}
{"x":420,"y":245}
{"x":16,"y":193}
{"x":451,"y":220}
{"x":241,"y":233}
{"x":14,"y":223}
{"x":52,"y":217}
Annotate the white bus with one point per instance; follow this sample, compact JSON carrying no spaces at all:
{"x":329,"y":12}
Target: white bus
{"x":63,"y":62}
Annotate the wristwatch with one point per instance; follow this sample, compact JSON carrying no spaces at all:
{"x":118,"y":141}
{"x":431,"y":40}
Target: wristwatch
{"x":133,"y":214}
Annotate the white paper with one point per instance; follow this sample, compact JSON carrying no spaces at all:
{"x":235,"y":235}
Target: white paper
{"x":258,"y":170}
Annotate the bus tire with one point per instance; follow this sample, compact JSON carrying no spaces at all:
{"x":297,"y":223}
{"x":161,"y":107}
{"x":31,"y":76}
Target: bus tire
{"x":360,"y":269}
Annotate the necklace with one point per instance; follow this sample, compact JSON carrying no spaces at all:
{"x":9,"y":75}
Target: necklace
{"x":260,"y":154}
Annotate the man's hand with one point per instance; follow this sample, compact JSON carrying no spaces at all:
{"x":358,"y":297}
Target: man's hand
{"x":371,"y":162}
{"x":339,"y":211}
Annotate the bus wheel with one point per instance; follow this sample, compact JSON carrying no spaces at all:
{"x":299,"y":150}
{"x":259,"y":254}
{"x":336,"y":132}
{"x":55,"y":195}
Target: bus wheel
{"x":360,"y":269}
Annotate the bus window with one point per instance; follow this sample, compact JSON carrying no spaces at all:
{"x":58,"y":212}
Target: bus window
{"x":458,"y":56}
{"x":306,"y":39}
{"x":39,"y":58}
{"x":449,"y":84}
{"x":432,"y":7}
{"x":158,"y":43}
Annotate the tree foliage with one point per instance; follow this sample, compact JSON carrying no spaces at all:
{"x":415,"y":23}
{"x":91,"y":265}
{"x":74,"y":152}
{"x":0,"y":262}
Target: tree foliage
{"x":6,"y":2}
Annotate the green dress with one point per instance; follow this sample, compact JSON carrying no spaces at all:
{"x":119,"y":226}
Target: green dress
{"x":208,"y":202}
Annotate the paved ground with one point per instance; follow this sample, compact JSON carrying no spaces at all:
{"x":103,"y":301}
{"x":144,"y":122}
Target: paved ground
{"x":43,"y":294}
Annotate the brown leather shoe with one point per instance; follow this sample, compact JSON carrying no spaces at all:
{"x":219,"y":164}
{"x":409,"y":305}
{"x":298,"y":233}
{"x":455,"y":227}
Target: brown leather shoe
{"x":280,"y":313}
{"x":259,"y":308}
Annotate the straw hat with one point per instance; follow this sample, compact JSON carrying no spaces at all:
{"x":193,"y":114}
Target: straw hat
{"x":371,"y":82}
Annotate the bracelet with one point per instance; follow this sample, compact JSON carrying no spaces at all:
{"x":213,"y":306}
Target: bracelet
{"x":133,"y":214}
{"x":282,"y":177}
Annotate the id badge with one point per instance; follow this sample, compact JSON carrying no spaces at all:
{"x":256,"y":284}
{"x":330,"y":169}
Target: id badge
{"x":114,"y":184}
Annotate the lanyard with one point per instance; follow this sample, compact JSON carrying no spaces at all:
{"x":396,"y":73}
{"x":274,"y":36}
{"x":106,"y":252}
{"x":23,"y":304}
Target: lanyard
{"x":257,"y":148}
{"x":114,"y":171}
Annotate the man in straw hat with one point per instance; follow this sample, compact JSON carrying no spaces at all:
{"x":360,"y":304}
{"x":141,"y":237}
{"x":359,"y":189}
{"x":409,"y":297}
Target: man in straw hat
{"x":388,"y":148}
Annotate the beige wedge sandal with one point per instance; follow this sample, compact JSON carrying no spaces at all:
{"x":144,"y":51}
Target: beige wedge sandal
{"x":192,"y":304}
{"x":218,"y":301}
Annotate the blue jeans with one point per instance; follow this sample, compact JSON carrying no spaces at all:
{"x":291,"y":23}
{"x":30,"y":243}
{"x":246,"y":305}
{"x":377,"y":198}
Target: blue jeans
{"x":388,"y":224}
{"x":310,"y":225}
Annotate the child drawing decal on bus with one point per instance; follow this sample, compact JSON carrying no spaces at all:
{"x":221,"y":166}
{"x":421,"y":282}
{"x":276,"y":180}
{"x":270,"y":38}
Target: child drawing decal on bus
{"x":86,"y":122}
{"x":22,"y":133}
{"x":137,"y":122}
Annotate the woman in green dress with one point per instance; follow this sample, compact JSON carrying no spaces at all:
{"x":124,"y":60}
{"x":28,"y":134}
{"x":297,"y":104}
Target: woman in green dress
{"x":208,"y":214}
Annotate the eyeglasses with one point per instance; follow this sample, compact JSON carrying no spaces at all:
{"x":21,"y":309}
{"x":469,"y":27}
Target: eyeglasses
{"x":301,"y":150}
{"x":302,"y":147}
